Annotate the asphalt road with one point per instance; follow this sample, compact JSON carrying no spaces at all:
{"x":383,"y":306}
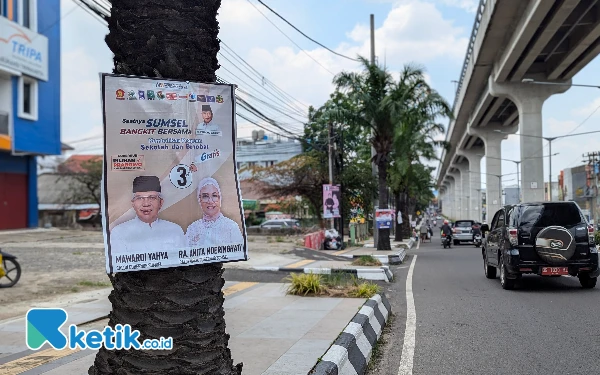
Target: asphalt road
{"x":467,"y":324}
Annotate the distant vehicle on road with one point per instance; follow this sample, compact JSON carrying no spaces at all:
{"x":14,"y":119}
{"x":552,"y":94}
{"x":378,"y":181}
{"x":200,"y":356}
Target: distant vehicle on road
{"x":280,"y":223}
{"x":463,"y":231}
{"x":545,"y":239}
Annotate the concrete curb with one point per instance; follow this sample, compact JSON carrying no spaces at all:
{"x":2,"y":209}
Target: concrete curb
{"x":397,"y":258}
{"x":351,"y":351}
{"x":382,"y":273}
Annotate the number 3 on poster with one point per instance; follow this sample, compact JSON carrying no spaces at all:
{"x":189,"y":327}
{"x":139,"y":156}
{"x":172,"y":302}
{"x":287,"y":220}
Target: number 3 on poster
{"x":180,"y":176}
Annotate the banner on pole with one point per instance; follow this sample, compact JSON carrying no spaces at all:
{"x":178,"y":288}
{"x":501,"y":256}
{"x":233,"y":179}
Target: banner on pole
{"x":331,"y":201}
{"x":171,"y":195}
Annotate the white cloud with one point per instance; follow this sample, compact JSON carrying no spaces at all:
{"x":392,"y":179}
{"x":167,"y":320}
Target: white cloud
{"x":412,"y":31}
{"x":590,"y":109}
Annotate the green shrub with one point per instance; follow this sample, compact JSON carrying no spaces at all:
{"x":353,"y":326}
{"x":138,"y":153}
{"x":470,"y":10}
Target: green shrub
{"x":366,"y":260}
{"x":365,"y":290}
{"x":305,"y":283}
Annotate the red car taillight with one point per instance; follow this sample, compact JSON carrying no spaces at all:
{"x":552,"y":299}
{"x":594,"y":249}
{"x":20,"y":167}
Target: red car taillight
{"x":591,"y":235}
{"x":513,"y":236}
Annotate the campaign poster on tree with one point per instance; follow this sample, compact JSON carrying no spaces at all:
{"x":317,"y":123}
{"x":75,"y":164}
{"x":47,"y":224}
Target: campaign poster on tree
{"x":331,"y":201}
{"x":384,"y":218}
{"x":171,"y":195}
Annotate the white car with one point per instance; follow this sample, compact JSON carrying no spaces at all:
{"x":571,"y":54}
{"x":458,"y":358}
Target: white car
{"x":281,"y":223}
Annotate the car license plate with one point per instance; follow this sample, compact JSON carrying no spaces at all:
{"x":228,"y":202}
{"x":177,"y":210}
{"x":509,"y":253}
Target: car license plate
{"x":552,"y":271}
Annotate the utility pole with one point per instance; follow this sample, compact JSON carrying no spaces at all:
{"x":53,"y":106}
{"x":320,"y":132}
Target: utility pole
{"x":549,"y":171}
{"x":593,"y":158}
{"x":373,"y":153}
{"x":331,"y":163}
{"x":341,"y":182}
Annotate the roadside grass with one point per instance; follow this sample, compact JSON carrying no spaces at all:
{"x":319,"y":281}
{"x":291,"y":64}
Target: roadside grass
{"x":333,"y":285}
{"x":77,"y":252}
{"x":279,"y":239}
{"x":379,"y":348}
{"x":366,"y":260}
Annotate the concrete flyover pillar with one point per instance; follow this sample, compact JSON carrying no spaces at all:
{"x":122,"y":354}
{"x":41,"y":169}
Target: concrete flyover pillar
{"x":451,"y":202}
{"x":474,"y":156}
{"x":465,"y":210}
{"x":492,"y":140}
{"x":444,"y":205}
{"x":457,"y":193}
{"x":529,"y":99}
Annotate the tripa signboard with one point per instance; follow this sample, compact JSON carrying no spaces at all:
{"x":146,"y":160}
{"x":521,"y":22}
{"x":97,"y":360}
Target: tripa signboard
{"x":170,"y":192}
{"x":23,"y":50}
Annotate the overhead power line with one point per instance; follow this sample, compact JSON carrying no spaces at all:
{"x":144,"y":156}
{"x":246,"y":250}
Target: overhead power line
{"x":306,"y":36}
{"x":291,"y":40}
{"x":262,"y":77}
{"x":100,"y":10}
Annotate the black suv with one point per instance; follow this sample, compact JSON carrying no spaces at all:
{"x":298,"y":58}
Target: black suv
{"x":546,"y":239}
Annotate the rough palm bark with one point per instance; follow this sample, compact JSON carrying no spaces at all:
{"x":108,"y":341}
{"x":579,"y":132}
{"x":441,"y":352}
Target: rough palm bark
{"x":168,"y":39}
{"x":383,"y":241}
{"x":398,"y":201}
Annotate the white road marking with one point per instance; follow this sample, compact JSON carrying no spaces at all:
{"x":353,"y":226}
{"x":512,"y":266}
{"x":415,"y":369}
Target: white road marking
{"x":418,"y":243}
{"x":408,"y":349}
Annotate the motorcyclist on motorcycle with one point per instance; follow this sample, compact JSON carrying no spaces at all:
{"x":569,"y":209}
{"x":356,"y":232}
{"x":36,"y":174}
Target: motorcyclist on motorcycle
{"x":476,"y":227}
{"x":446,"y":229}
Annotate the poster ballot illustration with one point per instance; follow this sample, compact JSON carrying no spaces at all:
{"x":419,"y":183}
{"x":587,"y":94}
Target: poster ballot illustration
{"x":171,"y":195}
{"x":331,"y":201}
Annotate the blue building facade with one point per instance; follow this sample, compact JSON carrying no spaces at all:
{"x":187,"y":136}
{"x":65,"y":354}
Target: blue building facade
{"x":29,"y":103}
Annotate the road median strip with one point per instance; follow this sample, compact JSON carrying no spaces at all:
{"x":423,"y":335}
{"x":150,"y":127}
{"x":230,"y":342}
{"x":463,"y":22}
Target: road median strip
{"x":381,"y":273}
{"x":351,"y":351}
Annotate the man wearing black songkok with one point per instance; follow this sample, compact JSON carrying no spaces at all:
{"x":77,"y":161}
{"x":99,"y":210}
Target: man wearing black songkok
{"x":146,"y":232}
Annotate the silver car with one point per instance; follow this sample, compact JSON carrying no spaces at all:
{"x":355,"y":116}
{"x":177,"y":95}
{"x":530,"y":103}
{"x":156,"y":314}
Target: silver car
{"x":463,"y":231}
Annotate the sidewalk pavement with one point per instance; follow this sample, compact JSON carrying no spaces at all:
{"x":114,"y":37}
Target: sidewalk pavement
{"x":271,"y":332}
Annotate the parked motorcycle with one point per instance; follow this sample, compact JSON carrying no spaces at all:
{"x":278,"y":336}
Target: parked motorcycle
{"x":446,"y":241}
{"x":477,"y":240}
{"x":10,"y":270}
{"x":333,"y":241}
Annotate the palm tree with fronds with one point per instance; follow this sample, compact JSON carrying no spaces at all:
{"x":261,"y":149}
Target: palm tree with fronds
{"x":415,"y":139}
{"x":368,"y":91}
{"x":384,"y":106}
{"x":174,"y":39}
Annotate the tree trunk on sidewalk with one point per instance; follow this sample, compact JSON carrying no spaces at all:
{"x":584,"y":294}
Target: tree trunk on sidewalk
{"x":406,"y":228}
{"x":399,"y":205}
{"x":383,"y":241}
{"x":169,"y":39}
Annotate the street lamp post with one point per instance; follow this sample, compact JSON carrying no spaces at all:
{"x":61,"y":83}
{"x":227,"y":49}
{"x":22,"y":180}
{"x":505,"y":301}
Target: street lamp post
{"x":549,"y":139}
{"x":517,"y":162}
{"x":499,"y":183}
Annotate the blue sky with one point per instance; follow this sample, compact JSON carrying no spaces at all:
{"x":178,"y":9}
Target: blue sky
{"x":432,"y":33}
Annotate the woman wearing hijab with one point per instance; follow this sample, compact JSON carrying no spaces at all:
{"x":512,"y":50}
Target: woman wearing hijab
{"x":213,"y":229}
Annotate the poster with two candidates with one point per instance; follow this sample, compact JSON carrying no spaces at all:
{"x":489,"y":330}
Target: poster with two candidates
{"x":171,"y":195}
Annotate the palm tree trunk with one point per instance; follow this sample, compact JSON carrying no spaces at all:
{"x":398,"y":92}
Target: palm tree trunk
{"x":398,"y":198}
{"x":168,"y":39}
{"x":383,"y":242}
{"x":406,"y":228}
